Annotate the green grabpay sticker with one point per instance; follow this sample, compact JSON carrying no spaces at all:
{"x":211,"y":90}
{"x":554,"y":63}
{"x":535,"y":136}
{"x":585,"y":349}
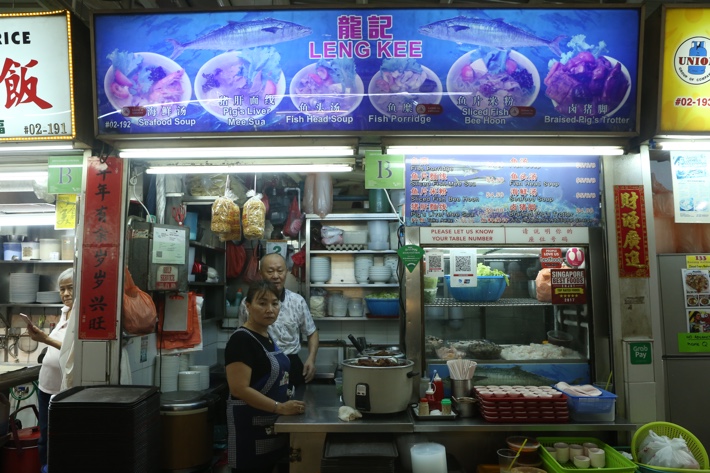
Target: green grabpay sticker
{"x":410,"y":255}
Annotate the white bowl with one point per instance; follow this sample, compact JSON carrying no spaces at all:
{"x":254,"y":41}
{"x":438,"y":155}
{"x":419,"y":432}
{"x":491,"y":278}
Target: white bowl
{"x":343,"y":102}
{"x":150,"y":60}
{"x":455,"y":90}
{"x":231,"y":63}
{"x":382,"y":99}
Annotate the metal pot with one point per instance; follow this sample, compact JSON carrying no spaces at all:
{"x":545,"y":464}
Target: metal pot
{"x":378,"y":389}
{"x":386,"y":352}
{"x":15,"y":238}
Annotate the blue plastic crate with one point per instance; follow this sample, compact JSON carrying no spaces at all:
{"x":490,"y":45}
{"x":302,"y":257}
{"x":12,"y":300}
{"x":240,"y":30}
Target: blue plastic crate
{"x":592,"y":408}
{"x":487,"y":289}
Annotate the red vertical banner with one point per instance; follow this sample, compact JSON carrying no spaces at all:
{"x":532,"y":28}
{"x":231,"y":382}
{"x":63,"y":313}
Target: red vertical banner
{"x":631,"y":232}
{"x":98,"y":302}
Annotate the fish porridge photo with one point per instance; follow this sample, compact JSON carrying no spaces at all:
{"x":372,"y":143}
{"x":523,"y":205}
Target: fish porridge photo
{"x":402,"y":84}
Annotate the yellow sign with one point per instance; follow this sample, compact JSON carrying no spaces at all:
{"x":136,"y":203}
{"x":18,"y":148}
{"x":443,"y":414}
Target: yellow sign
{"x":65,"y":210}
{"x":685,"y":90}
{"x":697,"y":261}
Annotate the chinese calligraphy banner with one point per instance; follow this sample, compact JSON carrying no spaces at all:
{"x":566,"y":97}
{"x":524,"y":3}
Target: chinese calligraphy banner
{"x":36,"y":98}
{"x":474,"y":190}
{"x":631,"y":233}
{"x":100,"y":251}
{"x":507,"y":70}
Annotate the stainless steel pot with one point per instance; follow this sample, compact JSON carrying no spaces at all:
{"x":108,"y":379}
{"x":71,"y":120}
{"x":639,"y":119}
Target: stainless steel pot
{"x":387,"y":352}
{"x":378,"y":389}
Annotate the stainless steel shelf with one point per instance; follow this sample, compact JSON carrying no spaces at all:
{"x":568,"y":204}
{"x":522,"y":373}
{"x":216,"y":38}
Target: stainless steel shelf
{"x":38,"y":261}
{"x":351,"y":319}
{"x":30,"y":304}
{"x":360,"y":216}
{"x":353,"y":252}
{"x":364,"y":286}
{"x":505,"y":302}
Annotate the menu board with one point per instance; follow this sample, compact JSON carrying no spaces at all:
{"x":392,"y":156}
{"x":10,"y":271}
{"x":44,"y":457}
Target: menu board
{"x":696,"y":289}
{"x":691,"y":177}
{"x":471,"y":190}
{"x":559,"y":71}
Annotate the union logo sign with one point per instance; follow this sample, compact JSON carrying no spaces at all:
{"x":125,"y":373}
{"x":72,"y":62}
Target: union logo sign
{"x":691,"y":62}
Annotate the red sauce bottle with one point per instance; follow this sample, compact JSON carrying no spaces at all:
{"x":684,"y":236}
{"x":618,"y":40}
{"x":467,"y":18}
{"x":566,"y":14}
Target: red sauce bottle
{"x":438,"y":390}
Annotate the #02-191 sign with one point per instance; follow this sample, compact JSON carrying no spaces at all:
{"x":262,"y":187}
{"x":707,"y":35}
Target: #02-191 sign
{"x":100,"y":266}
{"x":631,"y":234}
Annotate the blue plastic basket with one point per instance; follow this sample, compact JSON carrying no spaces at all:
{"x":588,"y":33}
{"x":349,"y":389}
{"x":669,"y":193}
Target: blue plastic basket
{"x":592,"y":408}
{"x":488,"y":289}
{"x":383,"y":307}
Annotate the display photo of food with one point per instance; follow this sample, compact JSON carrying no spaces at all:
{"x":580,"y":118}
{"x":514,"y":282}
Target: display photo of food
{"x":144,"y":79}
{"x":692,"y":300}
{"x":500,"y":79}
{"x":698,"y":321}
{"x":246,"y":84}
{"x":586,"y":82}
{"x":329,"y":87}
{"x":402,"y":84}
{"x":697,"y":282}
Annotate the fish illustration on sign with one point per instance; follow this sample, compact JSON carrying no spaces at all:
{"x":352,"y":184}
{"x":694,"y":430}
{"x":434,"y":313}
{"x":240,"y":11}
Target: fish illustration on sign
{"x":243,"y":35}
{"x":485,"y":376}
{"x":491,"y":33}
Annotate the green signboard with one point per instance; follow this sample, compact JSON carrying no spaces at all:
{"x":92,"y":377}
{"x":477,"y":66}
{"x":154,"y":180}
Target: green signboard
{"x":640,"y":353}
{"x":694,"y":342}
{"x":410,"y":255}
{"x":65,"y":173}
{"x":384,"y":171}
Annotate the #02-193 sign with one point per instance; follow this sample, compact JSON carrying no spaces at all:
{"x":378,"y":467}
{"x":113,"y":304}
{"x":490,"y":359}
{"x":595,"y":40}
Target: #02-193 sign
{"x":100,"y":251}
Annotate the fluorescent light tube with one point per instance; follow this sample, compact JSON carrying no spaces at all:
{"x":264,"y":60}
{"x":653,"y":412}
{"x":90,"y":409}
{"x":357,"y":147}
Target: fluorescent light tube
{"x":685,"y":145}
{"x":23,"y":176}
{"x":19,"y":220}
{"x":236,"y":152}
{"x":498,"y":150}
{"x":249,"y":168}
{"x":20,"y":148}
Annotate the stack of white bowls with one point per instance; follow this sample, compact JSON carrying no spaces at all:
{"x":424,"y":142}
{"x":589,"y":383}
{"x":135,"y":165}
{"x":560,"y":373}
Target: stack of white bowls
{"x":340,"y":305}
{"x":362,"y":267}
{"x":379,"y":273}
{"x":204,"y":371}
{"x":167,"y":368}
{"x":391,"y":261}
{"x":189,"y":381}
{"x":378,"y":235}
{"x":23,"y":287}
{"x":320,"y":269}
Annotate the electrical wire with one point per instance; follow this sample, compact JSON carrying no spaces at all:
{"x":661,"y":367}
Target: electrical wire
{"x":133,"y":181}
{"x":394,"y":209}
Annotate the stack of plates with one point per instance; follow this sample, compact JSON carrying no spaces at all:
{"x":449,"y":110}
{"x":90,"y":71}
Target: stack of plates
{"x":184,"y":362}
{"x":49,"y":297}
{"x":23,"y":287}
{"x":189,"y":381}
{"x":320,"y":269}
{"x":166,"y":372}
{"x":392,"y":261}
{"x":204,"y":371}
{"x":362,"y":267}
{"x":379,"y":273}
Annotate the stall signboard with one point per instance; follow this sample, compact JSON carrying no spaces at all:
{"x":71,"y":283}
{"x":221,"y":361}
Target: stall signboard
{"x":101,"y":262}
{"x":685,"y":70}
{"x":315,"y":71}
{"x":473,"y":190}
{"x":631,"y":232}
{"x":35,"y":77}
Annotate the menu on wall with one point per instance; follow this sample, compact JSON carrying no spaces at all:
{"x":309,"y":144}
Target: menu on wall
{"x":473,"y":190}
{"x":696,"y":289}
{"x":691,"y":177}
{"x":36,"y":96}
{"x":310,"y":71}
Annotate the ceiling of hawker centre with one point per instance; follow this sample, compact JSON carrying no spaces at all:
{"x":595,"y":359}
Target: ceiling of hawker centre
{"x":83,"y":8}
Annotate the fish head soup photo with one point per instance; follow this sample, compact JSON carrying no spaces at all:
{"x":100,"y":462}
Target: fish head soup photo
{"x":329,"y":87}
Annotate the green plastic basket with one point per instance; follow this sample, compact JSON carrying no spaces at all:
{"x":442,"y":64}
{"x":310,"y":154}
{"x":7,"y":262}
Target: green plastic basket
{"x":671,"y":431}
{"x":615,"y":461}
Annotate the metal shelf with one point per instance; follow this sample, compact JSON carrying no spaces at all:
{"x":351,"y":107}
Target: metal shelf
{"x":351,"y":319}
{"x":30,"y":304}
{"x":38,"y":261}
{"x":364,"y":286}
{"x":197,"y":244}
{"x":359,"y":216}
{"x":353,"y":252}
{"x":505,"y":302}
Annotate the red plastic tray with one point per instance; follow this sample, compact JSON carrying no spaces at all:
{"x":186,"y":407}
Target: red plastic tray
{"x":515,"y":409}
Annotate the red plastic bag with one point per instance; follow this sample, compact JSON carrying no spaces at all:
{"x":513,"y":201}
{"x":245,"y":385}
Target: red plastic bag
{"x":236,"y":260}
{"x":299,"y":264}
{"x":138,"y":312}
{"x":292,"y":228}
{"x":252,"y":274}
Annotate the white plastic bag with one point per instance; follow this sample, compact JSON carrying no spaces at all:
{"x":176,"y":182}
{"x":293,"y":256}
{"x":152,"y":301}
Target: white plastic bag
{"x":323,"y":195}
{"x":308,"y":191}
{"x":656,"y":450}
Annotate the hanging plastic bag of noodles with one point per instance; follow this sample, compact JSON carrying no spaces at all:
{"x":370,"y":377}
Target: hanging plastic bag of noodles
{"x":254,"y":217}
{"x":225,"y":216}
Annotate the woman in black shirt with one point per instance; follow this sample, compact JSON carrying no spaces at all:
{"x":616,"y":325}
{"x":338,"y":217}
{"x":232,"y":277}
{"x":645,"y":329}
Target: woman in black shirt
{"x":257,"y":374}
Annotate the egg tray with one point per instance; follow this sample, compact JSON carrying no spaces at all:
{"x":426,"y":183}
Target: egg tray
{"x":510,"y":409}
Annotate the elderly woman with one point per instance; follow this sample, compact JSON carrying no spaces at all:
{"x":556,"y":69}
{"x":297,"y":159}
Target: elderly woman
{"x":50,"y":375}
{"x":257,"y":374}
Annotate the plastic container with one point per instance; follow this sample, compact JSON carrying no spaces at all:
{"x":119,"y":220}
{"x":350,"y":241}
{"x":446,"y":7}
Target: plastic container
{"x":30,"y":250}
{"x":378,"y":201}
{"x":592,"y":409}
{"x":489,"y":289}
{"x":615,"y":461}
{"x":67,"y":248}
{"x":49,"y":249}
{"x":382,"y":307}
{"x":12,"y":251}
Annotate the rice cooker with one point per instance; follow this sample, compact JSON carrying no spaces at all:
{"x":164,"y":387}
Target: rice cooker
{"x":378,"y":385}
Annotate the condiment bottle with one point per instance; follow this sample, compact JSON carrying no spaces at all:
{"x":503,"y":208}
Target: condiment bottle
{"x":423,"y":407}
{"x":446,"y":407}
{"x":438,"y":389}
{"x":431,"y":400}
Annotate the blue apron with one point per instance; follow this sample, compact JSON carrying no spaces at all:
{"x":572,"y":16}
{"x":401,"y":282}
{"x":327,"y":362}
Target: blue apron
{"x":252,"y":440}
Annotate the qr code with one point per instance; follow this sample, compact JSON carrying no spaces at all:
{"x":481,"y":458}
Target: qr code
{"x":435,"y":262}
{"x":462,"y":263}
{"x":159,"y":254}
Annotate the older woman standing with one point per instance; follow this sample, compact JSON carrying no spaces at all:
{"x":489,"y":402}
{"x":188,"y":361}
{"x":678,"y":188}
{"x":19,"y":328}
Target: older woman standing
{"x":50,"y":374}
{"x":257,"y":374}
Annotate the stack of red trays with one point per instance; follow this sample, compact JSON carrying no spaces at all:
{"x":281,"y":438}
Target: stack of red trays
{"x":522,"y":404}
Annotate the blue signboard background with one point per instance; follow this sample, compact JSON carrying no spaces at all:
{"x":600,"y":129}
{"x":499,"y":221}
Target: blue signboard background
{"x":205,"y":55}
{"x":474,"y":190}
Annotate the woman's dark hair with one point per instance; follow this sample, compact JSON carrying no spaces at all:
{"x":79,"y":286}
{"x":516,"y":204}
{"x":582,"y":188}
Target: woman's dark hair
{"x":260,"y":287}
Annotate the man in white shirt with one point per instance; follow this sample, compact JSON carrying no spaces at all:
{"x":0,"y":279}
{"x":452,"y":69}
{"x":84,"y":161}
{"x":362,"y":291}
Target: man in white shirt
{"x":294,"y":320}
